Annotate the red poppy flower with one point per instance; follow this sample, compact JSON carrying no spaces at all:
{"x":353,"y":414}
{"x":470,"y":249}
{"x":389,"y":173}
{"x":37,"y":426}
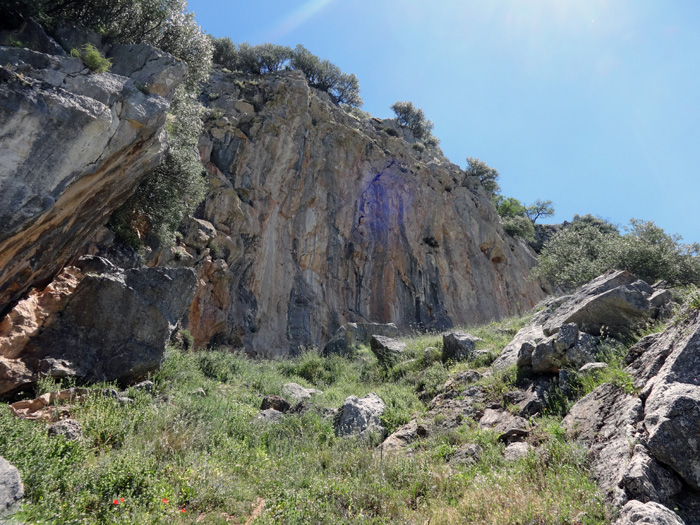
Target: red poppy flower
{"x":165,"y":500}
{"x":121,"y":500}
{"x":182,"y":510}
{"x":116,"y":502}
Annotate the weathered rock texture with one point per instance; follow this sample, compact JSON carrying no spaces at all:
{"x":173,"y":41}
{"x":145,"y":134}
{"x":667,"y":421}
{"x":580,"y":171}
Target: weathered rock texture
{"x":11,"y":488}
{"x":74,"y":146}
{"x":360,"y":417}
{"x":323,"y":219}
{"x":646,"y":447}
{"x":114,"y":326}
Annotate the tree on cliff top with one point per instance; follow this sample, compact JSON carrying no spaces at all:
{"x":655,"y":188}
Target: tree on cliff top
{"x":344,"y":89}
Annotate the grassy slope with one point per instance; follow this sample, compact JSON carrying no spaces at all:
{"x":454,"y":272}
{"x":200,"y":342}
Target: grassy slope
{"x":205,"y":454}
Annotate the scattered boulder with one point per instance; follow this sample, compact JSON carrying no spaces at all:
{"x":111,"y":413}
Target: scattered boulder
{"x":545,"y":358}
{"x":458,"y":346}
{"x":388,"y":351}
{"x":502,"y":421}
{"x":592,"y":367}
{"x":360,"y":417}
{"x":11,"y":488}
{"x":466,"y":455}
{"x":93,"y":341}
{"x":403,"y":437}
{"x":516,"y":451}
{"x":269,"y":416}
{"x":275,"y":402}
{"x":638,"y":513}
{"x":350,"y":335}
{"x":297,"y":392}
{"x":68,"y":428}
{"x":672,"y":422}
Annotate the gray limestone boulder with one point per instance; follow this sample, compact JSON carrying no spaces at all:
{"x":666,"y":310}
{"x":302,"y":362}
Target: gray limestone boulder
{"x":68,"y":428}
{"x":516,"y":451}
{"x":350,"y":335}
{"x":672,"y":421}
{"x":360,"y":417}
{"x":269,"y":416}
{"x":458,"y":346}
{"x":638,"y":513}
{"x":388,"y":351}
{"x":403,"y":437}
{"x":299,"y":393}
{"x":545,"y":358}
{"x":114,"y":327}
{"x":11,"y":488}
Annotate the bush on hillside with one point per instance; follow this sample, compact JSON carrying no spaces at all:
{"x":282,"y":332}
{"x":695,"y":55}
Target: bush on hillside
{"x":587,"y":247}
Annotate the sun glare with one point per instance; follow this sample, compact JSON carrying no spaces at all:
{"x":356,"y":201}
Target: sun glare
{"x":297,"y":18}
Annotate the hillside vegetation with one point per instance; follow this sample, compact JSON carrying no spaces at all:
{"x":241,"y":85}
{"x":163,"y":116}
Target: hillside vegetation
{"x":194,"y":450}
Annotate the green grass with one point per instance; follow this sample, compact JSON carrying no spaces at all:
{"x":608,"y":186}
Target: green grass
{"x":208,"y":456}
{"x":92,"y":58}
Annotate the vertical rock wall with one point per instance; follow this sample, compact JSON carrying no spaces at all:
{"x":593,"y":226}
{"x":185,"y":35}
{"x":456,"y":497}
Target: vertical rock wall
{"x":316,"y":218}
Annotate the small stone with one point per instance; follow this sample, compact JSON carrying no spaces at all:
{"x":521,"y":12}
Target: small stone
{"x":590,"y":367}
{"x":298,"y":392}
{"x":11,"y":489}
{"x":276,"y":402}
{"x":68,"y":428}
{"x":269,"y":416}
{"x":516,"y":451}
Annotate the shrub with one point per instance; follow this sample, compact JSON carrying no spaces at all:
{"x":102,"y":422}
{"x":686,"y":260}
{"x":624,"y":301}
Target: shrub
{"x":513,"y":217}
{"x":488,"y":176}
{"x":174,"y":188}
{"x":92,"y":58}
{"x":410,"y":117}
{"x":584,"y":249}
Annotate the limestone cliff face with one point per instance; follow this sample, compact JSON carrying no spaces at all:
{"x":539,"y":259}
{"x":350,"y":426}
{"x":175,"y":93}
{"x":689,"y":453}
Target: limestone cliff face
{"x":73,"y":147}
{"x":316,"y":218}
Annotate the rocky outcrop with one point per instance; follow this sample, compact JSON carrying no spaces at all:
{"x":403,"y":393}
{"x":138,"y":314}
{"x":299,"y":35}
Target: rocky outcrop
{"x":323,"y":219}
{"x":75,"y":145}
{"x":114,"y":326}
{"x":638,"y":513}
{"x":645,"y":447}
{"x":613,"y":304}
{"x":606,"y":421}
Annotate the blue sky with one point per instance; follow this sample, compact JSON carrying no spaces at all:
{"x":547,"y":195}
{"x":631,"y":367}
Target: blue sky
{"x":594,"y":104}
